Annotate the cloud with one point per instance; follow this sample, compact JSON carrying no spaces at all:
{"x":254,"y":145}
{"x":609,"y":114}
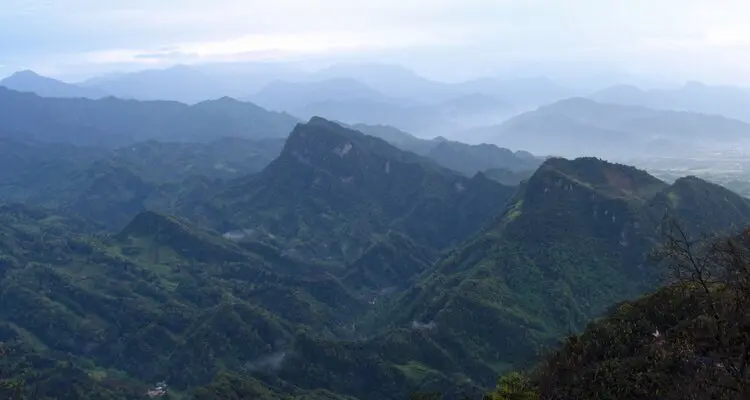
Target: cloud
{"x":166,"y":55}
{"x":695,"y":34}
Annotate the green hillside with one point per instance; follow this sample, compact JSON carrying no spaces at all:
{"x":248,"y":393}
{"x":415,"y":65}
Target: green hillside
{"x":334,"y":192}
{"x":574,"y":241}
{"x":346,"y":268}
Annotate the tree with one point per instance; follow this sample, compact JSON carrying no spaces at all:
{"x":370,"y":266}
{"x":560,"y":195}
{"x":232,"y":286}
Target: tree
{"x":11,"y":387}
{"x":513,"y":386}
{"x":715,"y":271}
{"x":689,"y":340}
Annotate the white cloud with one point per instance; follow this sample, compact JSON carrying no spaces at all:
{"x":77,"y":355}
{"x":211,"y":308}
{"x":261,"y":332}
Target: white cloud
{"x":636,"y":33}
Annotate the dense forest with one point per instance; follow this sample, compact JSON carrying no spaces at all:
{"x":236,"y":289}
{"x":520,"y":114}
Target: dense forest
{"x":326,"y":263}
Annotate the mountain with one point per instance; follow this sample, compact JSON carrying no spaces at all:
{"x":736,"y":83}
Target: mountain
{"x":111,"y":186}
{"x":523,"y":93}
{"x":427,"y":119}
{"x":31,"y":82}
{"x":294,"y":96}
{"x":403,"y":140}
{"x":28,"y":166}
{"x":465,"y":158}
{"x":223,"y":158}
{"x":114,"y":122}
{"x":574,"y":240}
{"x":684,"y":340}
{"x":241,"y":78}
{"x":567,"y":126}
{"x":184,"y":288}
{"x":397,"y":81}
{"x":477,"y":109}
{"x":197,"y":82}
{"x":179,"y":83}
{"x":334,"y":191}
{"x":393,"y":80}
{"x":422,"y":120}
{"x":470,"y":159}
{"x":729,"y":101}
{"x":318,"y":281}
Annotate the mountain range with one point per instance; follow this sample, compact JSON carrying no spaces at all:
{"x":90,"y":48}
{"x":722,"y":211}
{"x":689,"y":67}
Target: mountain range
{"x":116,"y":122}
{"x":195,"y":83}
{"x":574,"y":126}
{"x":234,"y":252}
{"x":31,"y":82}
{"x":473,"y":111}
{"x":465,"y":158}
{"x":731,"y":102}
{"x":351,"y":93}
{"x":329,"y":177}
{"x":345,"y":268}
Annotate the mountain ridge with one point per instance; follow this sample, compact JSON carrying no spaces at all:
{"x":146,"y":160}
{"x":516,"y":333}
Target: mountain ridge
{"x":112,"y":122}
{"x":615,"y":131}
{"x":346,"y":175}
{"x":31,"y":82}
{"x":562,"y":249}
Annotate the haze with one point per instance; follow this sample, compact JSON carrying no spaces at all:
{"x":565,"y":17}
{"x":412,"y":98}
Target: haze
{"x":584,"y":42}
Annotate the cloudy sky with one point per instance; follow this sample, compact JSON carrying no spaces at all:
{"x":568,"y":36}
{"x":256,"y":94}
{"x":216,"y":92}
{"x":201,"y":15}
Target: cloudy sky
{"x":676,"y":39}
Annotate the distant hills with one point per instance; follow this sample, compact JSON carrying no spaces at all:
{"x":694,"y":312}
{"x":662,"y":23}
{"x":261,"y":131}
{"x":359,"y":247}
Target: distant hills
{"x":179,"y":83}
{"x":465,"y":158}
{"x":441,"y":119}
{"x":731,"y":102}
{"x":473,"y":111}
{"x":576,"y":126}
{"x":351,"y":93}
{"x":293,"y":97}
{"x":31,"y":82}
{"x":392,"y":80}
{"x":401,"y":82}
{"x":115,"y":122}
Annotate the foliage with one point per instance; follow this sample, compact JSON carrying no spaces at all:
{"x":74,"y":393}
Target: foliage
{"x":11,"y":387}
{"x":513,"y":386}
{"x":574,"y":240}
{"x":686,"y":341}
{"x":315,"y":278}
{"x":334,"y":192}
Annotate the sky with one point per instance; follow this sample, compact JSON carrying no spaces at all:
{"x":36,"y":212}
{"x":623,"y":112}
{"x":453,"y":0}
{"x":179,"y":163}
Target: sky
{"x":445,"y":39}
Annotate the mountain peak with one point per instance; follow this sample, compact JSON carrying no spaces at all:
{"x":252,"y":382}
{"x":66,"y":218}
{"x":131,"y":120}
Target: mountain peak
{"x":326,"y":144}
{"x":329,"y":176}
{"x":702,"y":205}
{"x":699,"y":187}
{"x":31,"y":82}
{"x":26,"y":77}
{"x":26,"y":73}
{"x":610,"y":179}
{"x":319,"y":132}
